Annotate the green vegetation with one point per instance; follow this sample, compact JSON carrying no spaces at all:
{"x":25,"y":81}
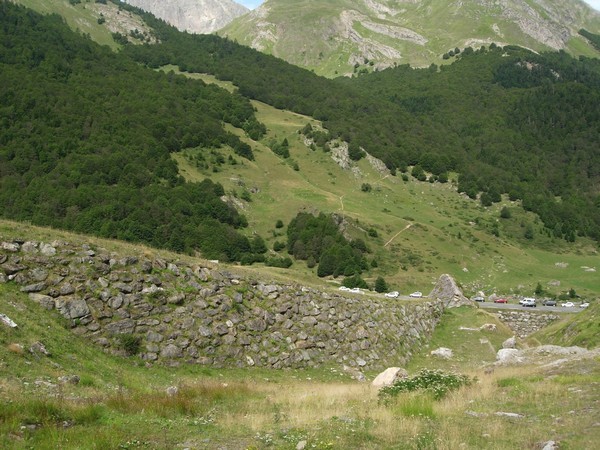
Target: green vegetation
{"x":314,"y":35}
{"x":414,"y":230}
{"x":582,"y":329}
{"x":319,"y":238}
{"x":121,"y":403}
{"x":86,"y":139}
{"x":492,"y":116}
{"x":435,"y":382}
{"x":593,"y":38}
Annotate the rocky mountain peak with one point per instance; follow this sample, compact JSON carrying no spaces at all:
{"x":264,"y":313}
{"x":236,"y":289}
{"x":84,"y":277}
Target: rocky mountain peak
{"x":195,"y":16}
{"x":342,"y":37}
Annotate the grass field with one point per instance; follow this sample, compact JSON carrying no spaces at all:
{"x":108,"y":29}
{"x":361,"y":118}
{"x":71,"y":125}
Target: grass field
{"x":120,"y":403}
{"x":423,"y":229}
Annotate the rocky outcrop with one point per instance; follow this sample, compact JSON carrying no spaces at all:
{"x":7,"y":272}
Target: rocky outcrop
{"x":195,"y":16}
{"x":448,"y":291}
{"x":174,"y":311}
{"x":546,"y":355}
{"x":350,"y":37}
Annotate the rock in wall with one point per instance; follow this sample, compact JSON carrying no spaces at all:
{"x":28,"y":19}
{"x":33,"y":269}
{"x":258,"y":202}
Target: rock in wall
{"x":174,"y":311}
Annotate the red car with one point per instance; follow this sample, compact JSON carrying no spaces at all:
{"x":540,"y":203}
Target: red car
{"x":500,"y":300}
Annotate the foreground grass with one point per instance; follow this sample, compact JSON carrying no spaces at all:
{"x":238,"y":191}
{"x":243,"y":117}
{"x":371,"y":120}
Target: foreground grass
{"x":120,"y":403}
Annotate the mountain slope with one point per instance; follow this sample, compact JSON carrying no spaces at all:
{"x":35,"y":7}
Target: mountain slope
{"x":196,"y":16}
{"x":337,"y":37}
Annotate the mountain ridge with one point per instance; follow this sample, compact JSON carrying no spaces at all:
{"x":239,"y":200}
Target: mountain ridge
{"x":195,"y":16}
{"x":335,"y":37}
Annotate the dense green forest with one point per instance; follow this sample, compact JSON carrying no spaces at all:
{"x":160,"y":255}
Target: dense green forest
{"x":318,"y":240}
{"x":86,"y":134}
{"x":86,"y":137}
{"x":508,"y":120}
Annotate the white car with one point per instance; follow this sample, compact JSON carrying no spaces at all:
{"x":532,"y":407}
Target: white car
{"x":527,"y":300}
{"x":568,"y":305}
{"x":416,"y":294}
{"x":356,"y":290}
{"x":584,"y":305}
{"x":393,"y":294}
{"x":344,"y":288}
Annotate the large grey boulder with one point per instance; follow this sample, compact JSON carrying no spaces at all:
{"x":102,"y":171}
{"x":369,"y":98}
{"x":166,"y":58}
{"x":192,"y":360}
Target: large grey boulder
{"x":72,"y":307}
{"x":510,"y":343}
{"x":447,"y":290}
{"x":509,"y":356}
{"x":389,"y":377}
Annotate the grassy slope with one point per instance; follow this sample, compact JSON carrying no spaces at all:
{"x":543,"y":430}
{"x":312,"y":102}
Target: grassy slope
{"x":448,"y":233}
{"x":119,"y":403}
{"x":582,"y":329}
{"x":82,"y":17}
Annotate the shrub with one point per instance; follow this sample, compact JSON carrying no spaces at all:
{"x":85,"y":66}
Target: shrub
{"x":130,"y":343}
{"x":436,"y":382}
{"x":283,"y":263}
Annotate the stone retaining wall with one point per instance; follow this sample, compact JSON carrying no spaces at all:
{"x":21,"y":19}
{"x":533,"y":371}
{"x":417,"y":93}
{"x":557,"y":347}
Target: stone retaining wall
{"x":197,"y":313}
{"x":524,"y":323}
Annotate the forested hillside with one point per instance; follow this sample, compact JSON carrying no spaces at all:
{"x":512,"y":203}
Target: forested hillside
{"x":508,"y":120}
{"x":86,"y":137}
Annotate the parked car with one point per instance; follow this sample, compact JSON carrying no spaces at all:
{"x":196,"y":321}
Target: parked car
{"x":479,"y":299}
{"x":549,"y":302}
{"x":568,"y":305}
{"x":500,"y":300}
{"x":584,"y":305}
{"x":526,"y":299}
{"x":356,"y":290}
{"x":393,"y":294}
{"x":416,"y":294}
{"x":344,"y":288}
{"x":529,"y":302}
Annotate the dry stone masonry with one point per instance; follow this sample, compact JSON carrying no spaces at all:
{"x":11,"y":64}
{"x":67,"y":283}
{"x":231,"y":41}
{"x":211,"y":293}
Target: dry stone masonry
{"x":524,"y":323}
{"x":173,"y":312}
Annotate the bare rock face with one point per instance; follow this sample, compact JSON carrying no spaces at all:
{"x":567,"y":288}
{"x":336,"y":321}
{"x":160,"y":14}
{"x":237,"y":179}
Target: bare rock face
{"x":447,"y":290}
{"x":195,"y":16}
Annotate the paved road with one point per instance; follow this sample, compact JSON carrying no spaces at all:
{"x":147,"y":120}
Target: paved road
{"x":516,"y":306}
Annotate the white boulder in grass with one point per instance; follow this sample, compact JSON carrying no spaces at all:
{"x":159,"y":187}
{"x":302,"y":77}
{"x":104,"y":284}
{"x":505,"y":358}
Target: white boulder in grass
{"x":442,"y":352}
{"x":389,"y":376}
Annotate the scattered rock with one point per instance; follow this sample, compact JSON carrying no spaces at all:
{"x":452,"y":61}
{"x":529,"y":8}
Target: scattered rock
{"x":301,"y":445}
{"x":510,"y":343}
{"x":38,"y":348}
{"x":442,"y":352}
{"x":475,"y":414}
{"x":488,"y":327}
{"x":509,"y":414}
{"x":550,"y":445}
{"x":389,"y":376}
{"x":69,"y":379}
{"x":355,"y":373}
{"x":7,"y":321}
{"x":509,"y":356}
{"x":172,"y":391}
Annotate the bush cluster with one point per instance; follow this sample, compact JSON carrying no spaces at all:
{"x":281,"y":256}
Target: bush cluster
{"x":437,"y":382}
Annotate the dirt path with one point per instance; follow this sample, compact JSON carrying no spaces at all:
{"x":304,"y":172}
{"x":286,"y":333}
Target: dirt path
{"x":396,"y":235}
